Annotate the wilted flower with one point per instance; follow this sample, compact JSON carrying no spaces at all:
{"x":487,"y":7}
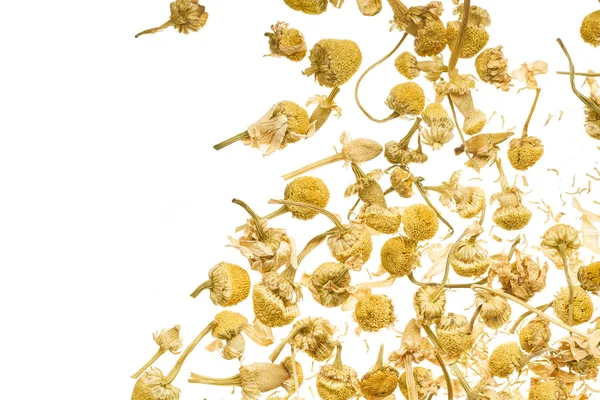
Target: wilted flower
{"x":329,"y":284}
{"x":167,"y":340}
{"x":380,"y":381}
{"x":528,"y":71}
{"x":314,"y":336}
{"x":475,"y":37}
{"x":228,"y":283}
{"x":334,"y":61}
{"x":522,"y":278}
{"x":337,"y":381}
{"x":511,"y":214}
{"x":467,"y":201}
{"x":399,"y":256}
{"x":286,"y":42}
{"x":423,"y":22}
{"x":429,"y":303}
{"x":440,"y":126}
{"x":275,"y":298}
{"x":483,"y":148}
{"x":186,"y":16}
{"x":491,"y":67}
{"x":495,"y":310}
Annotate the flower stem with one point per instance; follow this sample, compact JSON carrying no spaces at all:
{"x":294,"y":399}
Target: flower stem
{"x":530,"y":308}
{"x":281,"y":345}
{"x":206,"y":285}
{"x":526,"y":126}
{"x":154,"y":30}
{"x":379,"y":362}
{"x":155,"y":357}
{"x":503,"y":181}
{"x":321,"y":114}
{"x":462,"y":137}
{"x":231,"y":140}
{"x":423,"y":193}
{"x":403,"y":143}
{"x":474,"y":318}
{"x":454,"y":56}
{"x":392,"y":115}
{"x":315,"y":165}
{"x":235,"y":380}
{"x":321,"y":210}
{"x":411,"y":385}
{"x":259,"y":228}
{"x":177,"y":367}
{"x":280,"y":211}
{"x":592,"y":74}
{"x":447,"y":268}
{"x":437,"y":349}
{"x":543,"y":307}
{"x":412,"y":278}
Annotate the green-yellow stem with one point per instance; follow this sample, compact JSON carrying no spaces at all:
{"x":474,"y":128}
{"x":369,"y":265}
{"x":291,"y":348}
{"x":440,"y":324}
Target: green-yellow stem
{"x":321,"y":210}
{"x":155,"y":357}
{"x":259,"y":229}
{"x":154,"y":30}
{"x":231,"y":140}
{"x":206,"y":285}
{"x":317,"y":164}
{"x":526,"y":126}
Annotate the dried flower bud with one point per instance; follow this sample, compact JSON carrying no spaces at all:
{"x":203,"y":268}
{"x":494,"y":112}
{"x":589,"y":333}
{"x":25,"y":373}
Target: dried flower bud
{"x":589,"y":277}
{"x":535,"y":336}
{"x":548,"y":390}
{"x":440,"y":126}
{"x":470,"y":258}
{"x":369,"y":8}
{"x":309,"y":190}
{"x":380,"y":381}
{"x":590,"y":29}
{"x":583,"y":307}
{"x":366,"y":186}
{"x":167,"y":340}
{"x":495,"y":310}
{"x":453,"y":334}
{"x":420,"y":222}
{"x":522,"y":278}
{"x":506,"y":359}
{"x":337,"y":381}
{"x":229,"y":284}
{"x":334,"y":61}
{"x":286,"y":42}
{"x":561,"y":236}
{"x":406,"y":99}
{"x":399,"y":256}
{"x":258,"y":378}
{"x":381,"y":219}
{"x":491,"y":66}
{"x":353,"y":243}
{"x":424,"y":381}
{"x":402,"y":182}
{"x":476,"y":38}
{"x":374,"y":312}
{"x":150,"y":386}
{"x":186,"y":16}
{"x":467,"y":201}
{"x":275,"y":298}
{"x":524,"y":152}
{"x":429,"y":303}
{"x":329,"y":284}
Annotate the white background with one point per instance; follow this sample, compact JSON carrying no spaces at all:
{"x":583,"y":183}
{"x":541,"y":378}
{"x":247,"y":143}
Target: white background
{"x":114,"y":205}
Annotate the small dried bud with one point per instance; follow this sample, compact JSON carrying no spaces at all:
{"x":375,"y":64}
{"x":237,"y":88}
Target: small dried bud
{"x":374,"y":312}
{"x":275,"y":298}
{"x":369,"y":8}
{"x":186,"y":16}
{"x":590,"y":29}
{"x":589,"y":277}
{"x":399,"y":256}
{"x":453,"y":334}
{"x":495,"y":310}
{"x":151,"y":386}
{"x":548,"y":390}
{"x":402,"y":182}
{"x":524,"y":152}
{"x":406,"y":99}
{"x":491,"y":67}
{"x":535,"y":336}
{"x":440,"y":126}
{"x":329,"y":284}
{"x":420,"y":222}
{"x":424,"y":381}
{"x":286,"y":42}
{"x":381,"y":219}
{"x":470,"y":258}
{"x":169,"y":340}
{"x":506,"y":359}
{"x":337,"y":381}
{"x":476,"y":38}
{"x":353,"y":243}
{"x":429,"y":303}
{"x":583,"y":307}
{"x":309,"y":190}
{"x":334,"y":61}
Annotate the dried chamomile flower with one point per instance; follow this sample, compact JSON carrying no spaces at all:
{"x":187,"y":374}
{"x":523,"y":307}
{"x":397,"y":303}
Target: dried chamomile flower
{"x":483,"y":148}
{"x":535,"y":336}
{"x":409,"y":67}
{"x":422,"y":22}
{"x":406,"y":99}
{"x":470,"y":258}
{"x":399,"y":256}
{"x":398,"y":152}
{"x":453,"y":334}
{"x":589,"y":277}
{"x":275,"y":298}
{"x":440,"y":126}
{"x":366,"y":186}
{"x":258,"y":378}
{"x":186,"y":16}
{"x":429,"y":303}
{"x":528,"y":71}
{"x":522,"y":278}
{"x":402,"y":182}
{"x":495,"y":310}
{"x":588,"y":366}
{"x":459,"y":91}
{"x":314,"y":7}
{"x":374,"y":312}
{"x":380,"y":381}
{"x":267,"y":249}
{"x":286,"y":42}
{"x":491,"y":66}
{"x":334,"y":61}
{"x":229,"y":284}
{"x":229,"y":328}
{"x":420,"y":222}
{"x":511,"y":214}
{"x":167,"y":340}
{"x":590,"y":29}
{"x":356,"y":151}
{"x":581,"y":304}
{"x":475,"y":36}
{"x":527,"y":150}
{"x":548,"y":390}
{"x":314,"y":336}
{"x":337,"y":381}
{"x":329,"y":284}
{"x":418,"y":156}
{"x":153,"y":385}
{"x":425,"y":382}
{"x":506,"y":359}
{"x":467,"y":201}
{"x":592,"y":118}
{"x":369,"y":8}
{"x":381,"y":219}
{"x":286,"y":122}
